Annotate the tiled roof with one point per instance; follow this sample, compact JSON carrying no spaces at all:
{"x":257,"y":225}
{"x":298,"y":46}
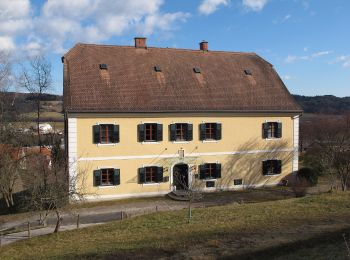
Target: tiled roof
{"x":131,"y":84}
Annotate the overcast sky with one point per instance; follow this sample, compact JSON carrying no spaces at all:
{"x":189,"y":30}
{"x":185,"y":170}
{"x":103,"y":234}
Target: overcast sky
{"x":307,"y":41}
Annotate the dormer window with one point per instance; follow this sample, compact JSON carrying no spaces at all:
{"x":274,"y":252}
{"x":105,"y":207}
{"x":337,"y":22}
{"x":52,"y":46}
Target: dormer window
{"x":103,"y":66}
{"x":248,"y":72}
{"x":196,"y":70}
{"x":157,"y":69}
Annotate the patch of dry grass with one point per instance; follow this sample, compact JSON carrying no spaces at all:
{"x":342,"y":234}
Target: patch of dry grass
{"x":224,"y":231}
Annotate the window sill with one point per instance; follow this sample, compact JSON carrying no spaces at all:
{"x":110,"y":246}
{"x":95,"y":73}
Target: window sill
{"x":271,"y":174}
{"x":150,"y":142}
{"x":111,"y":144}
{"x":107,"y":186}
{"x":181,"y":142}
{"x":151,"y":184}
{"x":210,"y":141}
{"x":209,"y":179}
{"x":273,"y":139}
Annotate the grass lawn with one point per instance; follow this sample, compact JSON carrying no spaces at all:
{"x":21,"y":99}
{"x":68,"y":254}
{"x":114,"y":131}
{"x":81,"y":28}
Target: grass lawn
{"x":302,"y":228}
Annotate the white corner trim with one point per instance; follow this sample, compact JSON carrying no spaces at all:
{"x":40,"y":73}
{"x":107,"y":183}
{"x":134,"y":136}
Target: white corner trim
{"x":295,"y":165}
{"x":72,"y":148}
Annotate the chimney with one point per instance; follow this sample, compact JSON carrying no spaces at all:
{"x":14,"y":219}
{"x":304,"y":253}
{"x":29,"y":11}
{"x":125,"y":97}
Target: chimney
{"x":140,"y":42}
{"x":203,"y":46}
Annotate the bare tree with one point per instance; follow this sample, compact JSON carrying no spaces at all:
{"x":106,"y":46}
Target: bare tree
{"x":330,"y":150}
{"x":48,"y":184}
{"x":36,"y":78}
{"x":191,"y":189}
{"x":10,"y":162}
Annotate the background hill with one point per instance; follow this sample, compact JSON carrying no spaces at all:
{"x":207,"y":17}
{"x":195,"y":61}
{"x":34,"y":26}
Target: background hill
{"x":327,"y":104}
{"x":24,"y":103}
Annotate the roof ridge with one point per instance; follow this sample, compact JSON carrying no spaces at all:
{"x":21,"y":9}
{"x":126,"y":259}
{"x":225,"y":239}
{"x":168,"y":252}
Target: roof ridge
{"x":162,"y":48}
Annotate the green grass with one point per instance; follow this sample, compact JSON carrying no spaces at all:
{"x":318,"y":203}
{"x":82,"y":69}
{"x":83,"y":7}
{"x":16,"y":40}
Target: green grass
{"x":293,"y":228}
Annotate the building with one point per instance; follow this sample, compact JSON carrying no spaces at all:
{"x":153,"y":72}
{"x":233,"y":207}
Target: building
{"x":139,"y":119}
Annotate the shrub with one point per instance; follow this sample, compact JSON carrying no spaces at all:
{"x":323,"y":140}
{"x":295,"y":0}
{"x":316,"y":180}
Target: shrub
{"x":309,"y":175}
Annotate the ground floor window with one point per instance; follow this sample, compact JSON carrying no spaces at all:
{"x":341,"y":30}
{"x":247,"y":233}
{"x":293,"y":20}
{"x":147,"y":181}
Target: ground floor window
{"x":106,"y":177}
{"x":272,"y":167}
{"x":210,"y":171}
{"x":151,"y":174}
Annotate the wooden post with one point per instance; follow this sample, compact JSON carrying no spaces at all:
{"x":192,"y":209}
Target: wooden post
{"x":121,"y":215}
{"x":156,"y":208}
{"x":78,"y":221}
{"x":29,"y":235}
{"x":0,"y":238}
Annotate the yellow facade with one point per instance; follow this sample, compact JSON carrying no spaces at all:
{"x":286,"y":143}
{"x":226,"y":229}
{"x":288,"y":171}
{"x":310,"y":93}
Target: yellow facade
{"x":240,"y":151}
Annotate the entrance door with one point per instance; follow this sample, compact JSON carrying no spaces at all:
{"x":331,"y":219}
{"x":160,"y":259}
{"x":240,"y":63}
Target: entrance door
{"x":180,"y":176}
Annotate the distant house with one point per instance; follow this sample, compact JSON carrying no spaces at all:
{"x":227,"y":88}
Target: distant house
{"x":138,"y":117}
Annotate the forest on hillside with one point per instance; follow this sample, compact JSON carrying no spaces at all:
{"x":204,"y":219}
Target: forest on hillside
{"x":327,"y":104}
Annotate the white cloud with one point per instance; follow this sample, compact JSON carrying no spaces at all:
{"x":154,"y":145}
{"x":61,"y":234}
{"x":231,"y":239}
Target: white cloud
{"x":210,"y":6}
{"x":286,"y":77}
{"x":58,"y":24}
{"x":95,"y":21}
{"x":6,"y":43}
{"x":286,"y":17}
{"x":321,"y":53}
{"x":14,"y":16}
{"x":254,"y":5}
{"x":345,"y":60}
{"x":293,"y":58}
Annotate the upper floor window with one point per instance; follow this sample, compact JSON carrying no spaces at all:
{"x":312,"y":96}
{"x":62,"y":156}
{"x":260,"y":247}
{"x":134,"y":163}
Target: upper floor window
{"x":105,"y":134}
{"x":272,"y":130}
{"x":181,"y":132}
{"x":210,"y":131}
{"x":210,"y":171}
{"x":272,"y":167}
{"x":151,"y":174}
{"x":150,"y":132}
{"x":106,"y":177}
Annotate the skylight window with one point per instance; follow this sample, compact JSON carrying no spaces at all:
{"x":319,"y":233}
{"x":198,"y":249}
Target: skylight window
{"x":103,"y":66}
{"x":248,"y":72}
{"x":197,"y":70}
{"x":157,"y":68}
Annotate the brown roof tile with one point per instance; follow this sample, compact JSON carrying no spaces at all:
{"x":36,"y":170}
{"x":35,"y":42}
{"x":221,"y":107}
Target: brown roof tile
{"x":131,"y":84}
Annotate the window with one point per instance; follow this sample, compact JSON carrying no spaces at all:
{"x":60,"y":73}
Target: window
{"x":272,"y":130}
{"x":237,"y":182}
{"x":181,"y":132}
{"x":197,"y":70}
{"x":210,"y":184}
{"x":105,"y":134}
{"x":272,"y":167}
{"x":210,"y":131}
{"x":151,"y":174}
{"x":150,"y":132}
{"x":210,"y":171}
{"x":157,"y":68}
{"x":106,"y":177}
